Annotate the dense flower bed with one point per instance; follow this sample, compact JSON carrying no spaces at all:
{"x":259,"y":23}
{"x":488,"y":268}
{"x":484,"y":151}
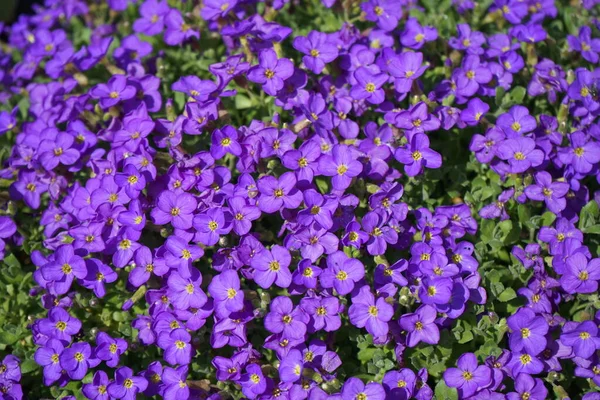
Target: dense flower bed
{"x":356,"y":200}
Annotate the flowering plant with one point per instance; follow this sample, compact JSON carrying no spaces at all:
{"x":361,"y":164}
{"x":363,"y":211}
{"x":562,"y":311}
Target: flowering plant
{"x":316,"y":199}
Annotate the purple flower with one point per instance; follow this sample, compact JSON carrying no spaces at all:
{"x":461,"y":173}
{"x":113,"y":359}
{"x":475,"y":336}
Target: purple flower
{"x":528,"y":387}
{"x":176,"y":345}
{"x":475,"y":110}
{"x":210,"y":225}
{"x":341,"y":165}
{"x":366,"y":312}
{"x":368,"y":86}
{"x":241,"y":214}
{"x":114,"y":91}
{"x":420,"y":326}
{"x":291,"y":366}
{"x":317,"y":50}
{"x":354,"y":388}
{"x":185,"y":293}
{"x":303,"y":160}
{"x":97,"y":389}
{"x":323,"y":313}
{"x":175,"y":208}
{"x":177,"y":30}
{"x":175,"y":381}
{"x":584,"y":44}
{"x":406,"y":68}
{"x":272,"y":266}
{"x":109,"y":349}
{"x":379,"y":235}
{"x":552,"y":193}
{"x":516,"y":122}
{"x":286,"y":319}
{"x":520,"y":153}
{"x":225,"y":141}
{"x":271,"y":71}
{"x":126,"y":385}
{"x":77,"y":359}
{"x":583,"y":153}
{"x":48,"y":356}
{"x":152,"y":14}
{"x":277,"y":193}
{"x":253,"y":381}
{"x":65,"y":267}
{"x":581,"y":276}
{"x":213,"y":9}
{"x":469,"y":377}
{"x":528,"y":331}
{"x":385,"y":13}
{"x":467,"y":40}
{"x":471,"y":75}
{"x":417,"y":155}
{"x":225,"y":289}
{"x":59,"y":325}
{"x":582,"y":337}
{"x":342,"y":273}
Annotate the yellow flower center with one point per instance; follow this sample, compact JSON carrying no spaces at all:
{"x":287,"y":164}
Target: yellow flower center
{"x":269,"y":73}
{"x":274,"y":266}
{"x":525,"y":333}
{"x":61,"y":325}
{"x":180,"y":344}
{"x":373,"y":311}
{"x":416,"y":155}
{"x":370,"y":87}
{"x":66,"y":269}
{"x":519,"y":156}
{"x":342,"y":276}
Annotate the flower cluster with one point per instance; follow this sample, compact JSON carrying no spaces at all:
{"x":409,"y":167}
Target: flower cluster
{"x":260,"y":212}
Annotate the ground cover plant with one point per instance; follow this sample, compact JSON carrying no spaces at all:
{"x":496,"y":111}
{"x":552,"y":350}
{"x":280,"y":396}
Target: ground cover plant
{"x":336,"y":199}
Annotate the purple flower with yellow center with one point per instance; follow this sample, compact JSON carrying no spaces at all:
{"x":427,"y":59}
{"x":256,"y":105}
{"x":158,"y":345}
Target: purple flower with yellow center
{"x":379,"y":234}
{"x":582,"y":337}
{"x":271,"y":72}
{"x":406,"y":68}
{"x":342,"y":273}
{"x":476,"y":109}
{"x":496,"y":209}
{"x":420,"y":326}
{"x":307,"y":274}
{"x":323,"y":313}
{"x":385,"y":274}
{"x":469,"y":377}
{"x":109,"y":349}
{"x":484,"y":146}
{"x":176,"y":208}
{"x":516,"y":122}
{"x":132,"y":180}
{"x":318,"y":210}
{"x":355,"y":389}
{"x":303,"y":160}
{"x":185,"y":293}
{"x":355,"y":236}
{"x":314,"y":241}
{"x":552,"y":193}
{"x":512,"y":10}
{"x":523,"y":362}
{"x":584,"y":44}
{"x":210,"y":225}
{"x":277,"y":193}
{"x":467,"y":40}
{"x":318,"y":51}
{"x":385,"y":13}
{"x":225,"y":289}
{"x":8,"y":120}
{"x":370,"y":313}
{"x":520,"y":153}
{"x":180,"y":255}
{"x":215,"y":9}
{"x":48,"y":356}
{"x":65,"y":267}
{"x":341,"y":165}
{"x":581,"y":276}
{"x":200,"y":89}
{"x":527,"y":387}
{"x":77,"y":359}
{"x":152,"y":14}
{"x":57,"y":151}
{"x":114,"y":91}
{"x":400,"y":385}
{"x":126,"y":385}
{"x":59,"y":325}
{"x":417,"y":155}
{"x":176,"y":345}
{"x":528,"y":331}
{"x":368,"y":86}
{"x":437,"y":290}
{"x":253,"y":381}
{"x":97,"y":389}
{"x":582,"y":154}
{"x":272,"y":266}
{"x":225,"y":140}
{"x":241,"y":214}
{"x":415,"y":36}
{"x":471,"y":75}
{"x":291,"y":366}
{"x":29,"y":187}
{"x":177,"y":30}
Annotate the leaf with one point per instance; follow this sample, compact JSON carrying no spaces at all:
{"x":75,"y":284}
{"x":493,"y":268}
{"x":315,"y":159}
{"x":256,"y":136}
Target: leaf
{"x":507,"y":295}
{"x":8,"y":338}
{"x":518,"y":94}
{"x":443,"y":392}
{"x":242,"y":102}
{"x":28,"y":365}
{"x":594,"y":229}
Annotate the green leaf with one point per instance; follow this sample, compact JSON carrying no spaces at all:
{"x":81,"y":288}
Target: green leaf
{"x":8,"y":338}
{"x":507,"y":295}
{"x":595,"y":229}
{"x":518,"y":94}
{"x":242,"y":102}
{"x":443,"y":392}
{"x":29,"y":365}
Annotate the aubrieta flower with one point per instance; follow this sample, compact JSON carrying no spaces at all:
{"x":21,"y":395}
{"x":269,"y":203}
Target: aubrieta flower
{"x":420,"y":326}
{"x":370,"y":313}
{"x":584,"y":44}
{"x":126,"y":385}
{"x":341,"y":166}
{"x":271,"y":71}
{"x":342,"y":273}
{"x":317,"y":50}
{"x":552,"y":193}
{"x":417,"y":155}
{"x":469,"y":377}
